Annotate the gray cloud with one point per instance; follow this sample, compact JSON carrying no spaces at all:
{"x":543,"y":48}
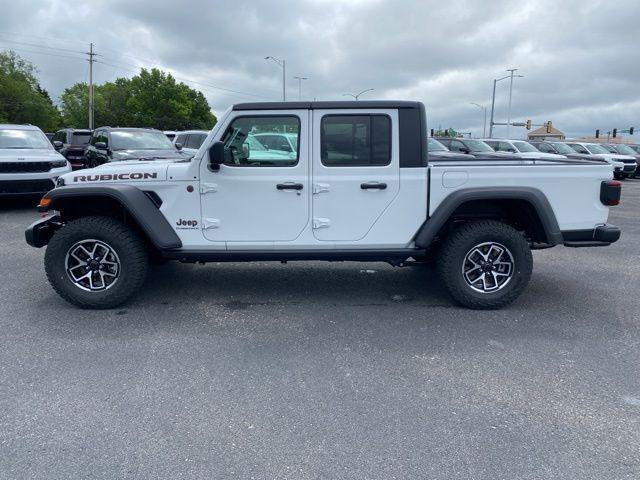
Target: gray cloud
{"x":577,"y":57}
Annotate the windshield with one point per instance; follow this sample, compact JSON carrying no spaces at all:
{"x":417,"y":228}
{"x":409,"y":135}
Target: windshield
{"x":435,"y":146}
{"x":563,"y":149}
{"x":624,"y":150}
{"x":140,"y":140}
{"x":525,"y":147}
{"x":596,"y":149}
{"x":609,"y":148}
{"x":28,"y":139}
{"x":478,"y":146}
{"x":80,"y":138}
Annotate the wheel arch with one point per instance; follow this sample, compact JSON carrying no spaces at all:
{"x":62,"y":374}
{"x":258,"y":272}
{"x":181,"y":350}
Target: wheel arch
{"x":524,"y":208}
{"x":112,"y":200}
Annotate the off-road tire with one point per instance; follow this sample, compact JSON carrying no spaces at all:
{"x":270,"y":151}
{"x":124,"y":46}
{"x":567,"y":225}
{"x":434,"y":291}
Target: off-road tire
{"x":124,"y":241}
{"x":462,"y":240}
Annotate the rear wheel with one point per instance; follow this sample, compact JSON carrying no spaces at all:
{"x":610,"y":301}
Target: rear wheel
{"x":96,"y":262}
{"x":485,"y":264}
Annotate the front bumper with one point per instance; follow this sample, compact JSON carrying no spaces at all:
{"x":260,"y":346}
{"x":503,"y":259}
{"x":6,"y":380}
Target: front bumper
{"x":11,"y":188}
{"x":600,"y":236}
{"x":40,"y":232}
{"x":32,"y":183}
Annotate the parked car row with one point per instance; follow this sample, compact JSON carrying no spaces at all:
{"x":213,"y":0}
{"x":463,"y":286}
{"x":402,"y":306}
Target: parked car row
{"x":625,"y":159}
{"x":30,"y":161}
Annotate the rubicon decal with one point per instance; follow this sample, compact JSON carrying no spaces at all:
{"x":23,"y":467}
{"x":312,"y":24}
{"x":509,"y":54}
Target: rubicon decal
{"x":115,"y":176}
{"x":186,"y":224}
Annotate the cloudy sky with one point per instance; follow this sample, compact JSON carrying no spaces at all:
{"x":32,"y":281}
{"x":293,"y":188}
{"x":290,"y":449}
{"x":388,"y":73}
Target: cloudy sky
{"x":580,"y":59}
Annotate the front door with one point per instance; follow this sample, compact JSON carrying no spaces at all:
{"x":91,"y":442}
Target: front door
{"x":261,"y":194}
{"x":356,"y":171}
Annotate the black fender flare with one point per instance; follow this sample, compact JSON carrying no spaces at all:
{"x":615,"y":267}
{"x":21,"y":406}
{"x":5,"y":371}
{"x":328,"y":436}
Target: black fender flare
{"x":533,"y":196}
{"x":134,"y":201}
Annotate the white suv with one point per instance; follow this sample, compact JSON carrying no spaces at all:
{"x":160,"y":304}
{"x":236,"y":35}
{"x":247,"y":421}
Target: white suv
{"x":29,"y":164}
{"x":624,"y":165}
{"x":519,"y":148}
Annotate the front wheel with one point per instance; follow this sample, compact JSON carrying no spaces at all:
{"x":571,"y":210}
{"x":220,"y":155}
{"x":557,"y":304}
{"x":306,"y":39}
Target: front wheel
{"x":96,"y":262}
{"x":485,"y":265}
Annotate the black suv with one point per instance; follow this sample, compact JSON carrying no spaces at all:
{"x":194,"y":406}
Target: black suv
{"x":72,"y":145}
{"x":114,"y":144}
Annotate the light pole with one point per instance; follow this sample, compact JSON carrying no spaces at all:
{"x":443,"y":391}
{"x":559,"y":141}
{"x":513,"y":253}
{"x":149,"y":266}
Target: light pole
{"x":484,"y":125}
{"x":357,"y":95}
{"x":282,"y":64}
{"x":300,"y":85}
{"x":509,"y":107}
{"x":493,"y":101}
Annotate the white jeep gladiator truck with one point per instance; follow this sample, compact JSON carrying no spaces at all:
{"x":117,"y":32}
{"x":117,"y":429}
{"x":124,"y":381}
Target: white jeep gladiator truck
{"x":353,"y":182}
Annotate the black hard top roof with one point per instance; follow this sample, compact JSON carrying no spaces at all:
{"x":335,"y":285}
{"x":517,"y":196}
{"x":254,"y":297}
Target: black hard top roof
{"x":326,"y":105}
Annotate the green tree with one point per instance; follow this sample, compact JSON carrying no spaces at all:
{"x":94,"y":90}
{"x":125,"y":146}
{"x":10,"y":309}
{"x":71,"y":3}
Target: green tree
{"x":151,"y":99}
{"x":22,"y":99}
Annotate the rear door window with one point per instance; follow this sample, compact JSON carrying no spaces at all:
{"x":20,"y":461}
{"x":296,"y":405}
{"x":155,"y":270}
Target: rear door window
{"x":355,"y":140}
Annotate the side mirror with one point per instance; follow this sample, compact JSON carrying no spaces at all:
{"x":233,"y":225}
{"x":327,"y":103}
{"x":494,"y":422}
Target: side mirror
{"x":511,"y":150}
{"x":57,"y":144}
{"x":216,"y":155}
{"x":465,"y":150}
{"x":101,"y":145}
{"x":285,"y":147}
{"x":178,"y":145}
{"x":246,"y":150}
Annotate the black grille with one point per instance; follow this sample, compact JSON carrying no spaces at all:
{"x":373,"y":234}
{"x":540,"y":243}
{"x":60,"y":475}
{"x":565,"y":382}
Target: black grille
{"x":25,"y":186}
{"x":24,"y":167}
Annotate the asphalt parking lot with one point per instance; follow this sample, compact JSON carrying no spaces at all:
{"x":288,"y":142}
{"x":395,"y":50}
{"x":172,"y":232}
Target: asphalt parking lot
{"x":317,"y":370}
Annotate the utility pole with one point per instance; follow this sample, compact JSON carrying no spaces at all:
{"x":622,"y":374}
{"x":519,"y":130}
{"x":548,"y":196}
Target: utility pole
{"x":510,"y":94}
{"x":300,"y":85}
{"x":91,"y":102}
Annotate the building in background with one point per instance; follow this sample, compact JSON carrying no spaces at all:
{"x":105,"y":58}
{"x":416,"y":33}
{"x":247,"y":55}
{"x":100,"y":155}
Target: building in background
{"x":541,"y":134}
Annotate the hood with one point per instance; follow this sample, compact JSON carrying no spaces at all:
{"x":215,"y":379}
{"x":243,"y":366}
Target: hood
{"x":534,"y":155}
{"x":29,"y":155}
{"x":493,"y":154}
{"x":617,"y":156}
{"x":164,"y":154}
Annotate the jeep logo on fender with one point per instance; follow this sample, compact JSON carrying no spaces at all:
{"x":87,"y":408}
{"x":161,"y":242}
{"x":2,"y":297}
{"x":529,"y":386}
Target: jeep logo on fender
{"x":115,"y":176}
{"x":186,"y":224}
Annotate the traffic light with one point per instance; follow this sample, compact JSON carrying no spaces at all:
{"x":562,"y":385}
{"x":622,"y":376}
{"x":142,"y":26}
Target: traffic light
{"x":528,"y":125}
{"x":615,"y":132}
{"x":631,"y":131}
{"x":432,"y":132}
{"x":598,"y":133}
{"x":548,"y":125}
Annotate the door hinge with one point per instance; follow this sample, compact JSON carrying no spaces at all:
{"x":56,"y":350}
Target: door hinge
{"x":321,"y":223}
{"x":208,"y":223}
{"x":208,"y":188}
{"x":320,"y":187}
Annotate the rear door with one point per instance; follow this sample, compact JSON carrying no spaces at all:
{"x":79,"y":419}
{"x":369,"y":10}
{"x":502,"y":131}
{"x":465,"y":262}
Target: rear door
{"x":355,"y":171}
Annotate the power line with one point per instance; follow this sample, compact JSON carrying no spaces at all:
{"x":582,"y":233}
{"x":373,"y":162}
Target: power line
{"x":42,"y":46}
{"x":41,"y":53}
{"x":186,"y":80}
{"x":229,"y":91}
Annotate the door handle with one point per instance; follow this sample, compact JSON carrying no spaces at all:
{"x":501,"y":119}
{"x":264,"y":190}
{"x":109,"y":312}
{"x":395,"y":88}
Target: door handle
{"x":373,"y":186}
{"x":289,"y":186}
